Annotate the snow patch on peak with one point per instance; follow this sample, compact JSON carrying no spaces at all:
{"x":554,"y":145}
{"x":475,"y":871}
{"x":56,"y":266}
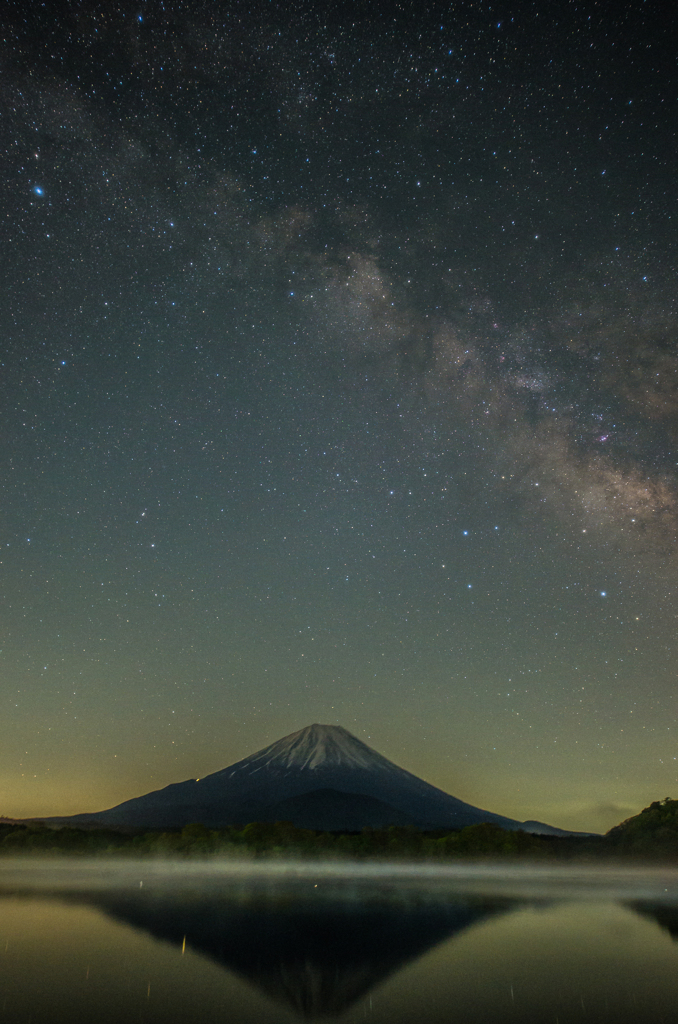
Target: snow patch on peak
{"x":321,"y":746}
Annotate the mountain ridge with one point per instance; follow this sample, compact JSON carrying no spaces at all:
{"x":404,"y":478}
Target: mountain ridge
{"x":279,"y":781}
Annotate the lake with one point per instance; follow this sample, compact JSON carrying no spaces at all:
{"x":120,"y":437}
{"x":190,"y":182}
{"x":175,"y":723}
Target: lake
{"x":275,"y":942}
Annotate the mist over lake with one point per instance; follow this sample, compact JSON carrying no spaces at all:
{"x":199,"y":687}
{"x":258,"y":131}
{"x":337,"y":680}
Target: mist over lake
{"x":246,"y":942}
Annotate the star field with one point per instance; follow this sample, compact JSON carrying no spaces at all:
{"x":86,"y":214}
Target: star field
{"x":339,"y":383}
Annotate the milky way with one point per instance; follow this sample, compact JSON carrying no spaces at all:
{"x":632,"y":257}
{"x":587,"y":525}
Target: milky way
{"x":340,"y":384}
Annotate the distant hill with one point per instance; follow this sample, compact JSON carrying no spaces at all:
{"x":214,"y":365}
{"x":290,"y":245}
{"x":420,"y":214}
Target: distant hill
{"x":321,"y":777}
{"x":652,"y":833}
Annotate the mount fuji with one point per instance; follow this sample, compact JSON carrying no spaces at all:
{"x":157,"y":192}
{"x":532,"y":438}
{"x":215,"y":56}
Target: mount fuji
{"x":321,"y":777}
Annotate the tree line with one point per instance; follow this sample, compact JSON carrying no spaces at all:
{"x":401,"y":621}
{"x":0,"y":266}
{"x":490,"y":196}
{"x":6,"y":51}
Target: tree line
{"x":652,"y":834}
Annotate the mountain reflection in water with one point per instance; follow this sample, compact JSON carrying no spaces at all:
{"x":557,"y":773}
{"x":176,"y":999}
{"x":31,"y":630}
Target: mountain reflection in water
{"x":666,"y":916}
{"x":317,"y":955}
{"x":103,"y":942}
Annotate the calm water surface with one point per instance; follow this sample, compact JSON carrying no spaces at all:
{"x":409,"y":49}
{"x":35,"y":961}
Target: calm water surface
{"x":258,"y":943}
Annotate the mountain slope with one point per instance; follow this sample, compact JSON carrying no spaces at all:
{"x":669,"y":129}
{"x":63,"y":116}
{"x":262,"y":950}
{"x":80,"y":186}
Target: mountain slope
{"x":320,"y":777}
{"x":651,"y":833}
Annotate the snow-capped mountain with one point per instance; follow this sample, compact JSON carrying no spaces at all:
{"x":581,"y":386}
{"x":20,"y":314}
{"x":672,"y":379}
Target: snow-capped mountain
{"x":316,"y":746}
{"x":321,"y":777}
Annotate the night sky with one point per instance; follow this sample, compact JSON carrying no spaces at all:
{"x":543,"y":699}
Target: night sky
{"x":339,"y":383}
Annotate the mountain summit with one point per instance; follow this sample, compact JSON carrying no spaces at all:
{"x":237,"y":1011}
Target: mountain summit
{"x":321,"y":777}
{"x":318,"y":746}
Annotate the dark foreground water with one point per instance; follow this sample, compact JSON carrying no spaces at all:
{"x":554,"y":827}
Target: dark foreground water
{"x":255,"y":943}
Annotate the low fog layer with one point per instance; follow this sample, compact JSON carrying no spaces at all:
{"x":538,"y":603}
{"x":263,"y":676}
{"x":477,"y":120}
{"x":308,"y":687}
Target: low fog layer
{"x":517,"y":881}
